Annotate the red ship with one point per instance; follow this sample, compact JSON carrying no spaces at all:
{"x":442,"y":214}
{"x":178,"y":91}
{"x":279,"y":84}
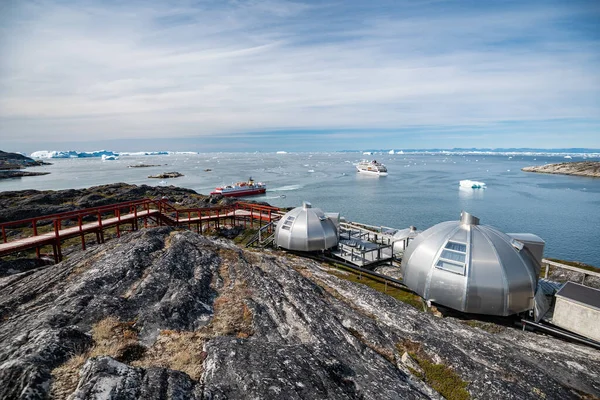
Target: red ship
{"x":241,"y":189}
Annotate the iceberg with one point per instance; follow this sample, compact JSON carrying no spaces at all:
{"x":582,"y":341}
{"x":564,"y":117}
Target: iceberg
{"x":71,"y":154}
{"x":472,"y":184}
{"x":282,"y":152}
{"x":145,"y":153}
{"x":392,"y":152}
{"x":109,"y":158}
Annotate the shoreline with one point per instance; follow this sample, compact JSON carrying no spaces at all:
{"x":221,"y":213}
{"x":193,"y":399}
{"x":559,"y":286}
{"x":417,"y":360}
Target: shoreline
{"x":590,"y":169}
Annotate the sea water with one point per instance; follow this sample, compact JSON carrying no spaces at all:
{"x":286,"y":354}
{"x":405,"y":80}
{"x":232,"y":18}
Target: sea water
{"x":420,"y":190}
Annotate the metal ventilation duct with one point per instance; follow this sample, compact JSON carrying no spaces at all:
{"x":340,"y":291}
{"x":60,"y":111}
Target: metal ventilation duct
{"x":472,"y":268}
{"x":306,"y":229}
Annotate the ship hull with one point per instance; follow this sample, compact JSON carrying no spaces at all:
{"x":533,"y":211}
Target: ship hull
{"x":238,"y":193}
{"x":366,"y":172}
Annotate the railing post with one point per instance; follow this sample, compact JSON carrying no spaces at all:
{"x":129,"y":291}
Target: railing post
{"x":118,"y":212}
{"x":547,"y":269}
{"x":56,"y":228}
{"x":35,"y":228}
{"x":79,"y":221}
{"x":3,"y":234}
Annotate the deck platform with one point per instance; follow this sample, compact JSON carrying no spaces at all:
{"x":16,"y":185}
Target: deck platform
{"x":158,"y":212}
{"x":363,"y":247}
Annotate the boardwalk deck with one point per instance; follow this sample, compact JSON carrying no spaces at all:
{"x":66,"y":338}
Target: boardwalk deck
{"x":163,"y":213}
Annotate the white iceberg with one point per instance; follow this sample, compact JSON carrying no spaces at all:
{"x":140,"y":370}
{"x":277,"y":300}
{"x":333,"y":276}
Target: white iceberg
{"x":109,"y":158}
{"x":282,"y":152}
{"x":145,"y":153}
{"x":467,"y":183}
{"x":71,"y":154}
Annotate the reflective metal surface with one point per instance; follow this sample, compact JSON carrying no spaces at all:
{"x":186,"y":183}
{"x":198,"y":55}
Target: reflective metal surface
{"x":402,"y":237}
{"x":473,"y":268}
{"x":306,"y":229}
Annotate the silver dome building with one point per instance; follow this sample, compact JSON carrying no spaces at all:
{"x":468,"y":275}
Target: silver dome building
{"x":474,"y":268}
{"x":306,"y":229}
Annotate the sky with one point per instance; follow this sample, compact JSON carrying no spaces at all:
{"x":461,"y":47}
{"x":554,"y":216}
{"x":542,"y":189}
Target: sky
{"x":298,"y":76}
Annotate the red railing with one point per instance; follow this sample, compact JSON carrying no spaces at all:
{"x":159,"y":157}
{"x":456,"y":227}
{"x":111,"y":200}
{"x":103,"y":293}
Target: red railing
{"x":58,"y":219}
{"x":164,"y":212}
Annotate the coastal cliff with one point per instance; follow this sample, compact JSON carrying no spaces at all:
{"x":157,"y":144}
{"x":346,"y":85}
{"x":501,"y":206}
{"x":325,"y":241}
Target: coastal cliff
{"x":579,"y":168}
{"x":12,"y":163}
{"x":168,"y":314}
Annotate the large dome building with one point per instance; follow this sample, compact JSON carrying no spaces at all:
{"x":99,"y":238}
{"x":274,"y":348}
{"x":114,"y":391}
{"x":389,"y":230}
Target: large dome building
{"x":474,"y":268}
{"x":306,"y":229}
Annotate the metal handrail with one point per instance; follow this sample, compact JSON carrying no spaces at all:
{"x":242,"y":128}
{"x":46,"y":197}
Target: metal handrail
{"x":569,"y":267}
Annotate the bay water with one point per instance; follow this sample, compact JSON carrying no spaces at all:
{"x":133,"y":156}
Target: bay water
{"x":420,"y":190}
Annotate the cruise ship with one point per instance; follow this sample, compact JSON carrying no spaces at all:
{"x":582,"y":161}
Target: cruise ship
{"x":241,"y":189}
{"x":371,"y":167}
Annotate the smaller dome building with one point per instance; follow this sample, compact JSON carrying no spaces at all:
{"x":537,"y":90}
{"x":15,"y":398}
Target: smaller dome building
{"x":306,"y":229}
{"x":402,"y":238}
{"x":474,"y":268}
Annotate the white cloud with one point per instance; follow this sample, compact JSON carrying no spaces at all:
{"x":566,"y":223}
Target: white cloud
{"x":151,"y":70}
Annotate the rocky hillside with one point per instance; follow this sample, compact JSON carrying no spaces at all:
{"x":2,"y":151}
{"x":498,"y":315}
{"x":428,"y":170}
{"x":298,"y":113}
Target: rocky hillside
{"x":165,"y":314}
{"x":25,"y":204}
{"x":581,"y":168}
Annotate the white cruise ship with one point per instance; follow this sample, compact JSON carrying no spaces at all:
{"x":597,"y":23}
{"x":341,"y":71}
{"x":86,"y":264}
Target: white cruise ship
{"x":371,"y":167}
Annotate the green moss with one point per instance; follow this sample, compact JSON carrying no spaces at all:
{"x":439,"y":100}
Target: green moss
{"x":486,"y":326}
{"x":404,"y":296}
{"x":439,"y":376}
{"x":245,"y":236}
{"x":443,"y":379}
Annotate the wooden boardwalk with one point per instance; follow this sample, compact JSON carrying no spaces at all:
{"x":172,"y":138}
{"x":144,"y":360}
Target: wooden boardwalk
{"x":73,"y":224}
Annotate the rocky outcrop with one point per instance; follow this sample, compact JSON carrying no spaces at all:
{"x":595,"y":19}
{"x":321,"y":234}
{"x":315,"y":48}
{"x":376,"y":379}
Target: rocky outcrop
{"x":11,"y":164}
{"x":16,"y":160}
{"x":581,"y":168}
{"x":16,"y":205}
{"x":19,"y":174}
{"x":166,"y":175}
{"x":165,"y":314}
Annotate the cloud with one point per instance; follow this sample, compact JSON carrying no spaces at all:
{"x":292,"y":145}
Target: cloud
{"x":74,"y":70}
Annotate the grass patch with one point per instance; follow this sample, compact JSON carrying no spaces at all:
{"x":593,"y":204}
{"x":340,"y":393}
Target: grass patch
{"x":404,"y":296}
{"x":243,"y":238}
{"x":439,"y":376}
{"x":486,"y":326}
{"x":111,"y":338}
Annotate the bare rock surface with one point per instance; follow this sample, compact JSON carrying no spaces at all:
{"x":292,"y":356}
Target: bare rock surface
{"x":249,"y":325}
{"x":579,"y":168}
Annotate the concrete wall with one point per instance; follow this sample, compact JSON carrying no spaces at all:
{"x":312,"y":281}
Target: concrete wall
{"x":577,"y":318}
